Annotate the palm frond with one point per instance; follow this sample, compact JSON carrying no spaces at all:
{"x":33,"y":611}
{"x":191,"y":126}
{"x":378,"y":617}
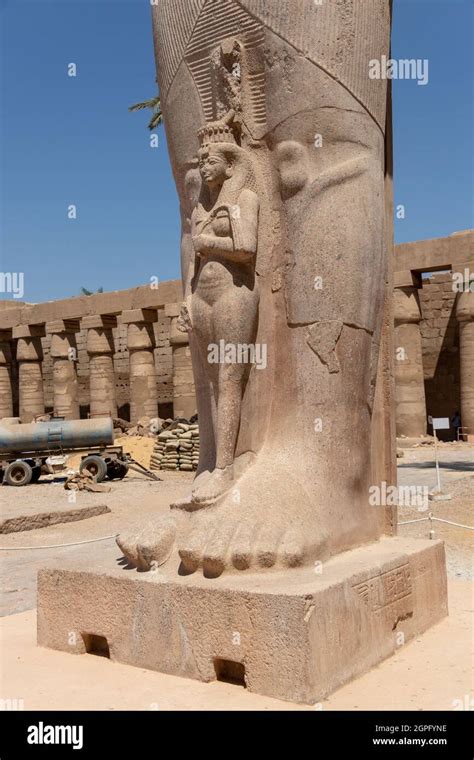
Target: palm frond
{"x":155,"y":120}
{"x":154,"y":105}
{"x":151,"y":103}
{"x":86,"y":292}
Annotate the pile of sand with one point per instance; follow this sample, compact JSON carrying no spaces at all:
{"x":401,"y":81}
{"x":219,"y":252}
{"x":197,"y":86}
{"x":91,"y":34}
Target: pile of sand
{"x":138,"y":447}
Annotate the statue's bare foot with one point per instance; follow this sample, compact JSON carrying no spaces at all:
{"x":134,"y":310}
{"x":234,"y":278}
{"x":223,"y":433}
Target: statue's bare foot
{"x":151,"y":546}
{"x":208,"y":491}
{"x":230,"y":545}
{"x":253,"y":527}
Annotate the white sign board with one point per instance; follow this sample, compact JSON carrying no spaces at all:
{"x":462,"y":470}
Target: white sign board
{"x":440,"y":423}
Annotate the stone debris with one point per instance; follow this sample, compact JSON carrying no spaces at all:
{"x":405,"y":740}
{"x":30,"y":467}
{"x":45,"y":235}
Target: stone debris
{"x":177,"y":447}
{"x":85,"y":482}
{"x":121,"y":426}
{"x":146,"y":427}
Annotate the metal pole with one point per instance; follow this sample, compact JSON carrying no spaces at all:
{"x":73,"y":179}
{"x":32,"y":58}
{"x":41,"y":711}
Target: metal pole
{"x":438,"y":475}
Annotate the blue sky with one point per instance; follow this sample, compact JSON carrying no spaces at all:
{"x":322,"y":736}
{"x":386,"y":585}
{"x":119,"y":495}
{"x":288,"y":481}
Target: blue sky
{"x":69,"y":140}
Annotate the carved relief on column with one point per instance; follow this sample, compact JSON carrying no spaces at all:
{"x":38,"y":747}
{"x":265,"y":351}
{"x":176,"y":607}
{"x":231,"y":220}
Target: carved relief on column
{"x":409,"y":377}
{"x":64,"y":355}
{"x":141,"y":342}
{"x":6,"y":389}
{"x":465,"y":317}
{"x":101,"y":349}
{"x":29,"y":354}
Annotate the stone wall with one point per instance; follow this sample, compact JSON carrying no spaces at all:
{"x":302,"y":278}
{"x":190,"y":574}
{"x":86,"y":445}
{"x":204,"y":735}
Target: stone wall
{"x":441,"y":272}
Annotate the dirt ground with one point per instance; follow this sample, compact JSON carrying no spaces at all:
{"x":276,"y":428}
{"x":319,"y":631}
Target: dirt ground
{"x":425,"y":674}
{"x":417,"y":467}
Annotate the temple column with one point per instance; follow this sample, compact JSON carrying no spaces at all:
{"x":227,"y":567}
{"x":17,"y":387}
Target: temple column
{"x":101,"y":349}
{"x":6,"y":389}
{"x":141,"y":342}
{"x":465,"y":316}
{"x":184,"y":394}
{"x":409,"y":378}
{"x":29,"y":354}
{"x":64,"y":356}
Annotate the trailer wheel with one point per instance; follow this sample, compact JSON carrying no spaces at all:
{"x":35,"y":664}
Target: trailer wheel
{"x":96,"y":466}
{"x":18,"y":473}
{"x":116,"y":470}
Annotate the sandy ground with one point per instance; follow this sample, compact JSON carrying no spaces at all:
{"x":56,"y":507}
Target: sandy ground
{"x":429,"y":673}
{"x":135,"y":500}
{"x":417,"y":467}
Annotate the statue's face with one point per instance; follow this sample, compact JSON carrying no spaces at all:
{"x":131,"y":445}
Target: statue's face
{"x":213,"y":167}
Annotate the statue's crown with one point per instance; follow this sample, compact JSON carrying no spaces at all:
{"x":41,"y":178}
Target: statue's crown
{"x":218,"y":131}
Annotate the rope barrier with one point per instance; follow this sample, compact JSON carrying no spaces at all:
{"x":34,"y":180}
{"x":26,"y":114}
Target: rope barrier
{"x":108,"y":538}
{"x":437,"y":519}
{"x":56,"y":546}
{"x":458,"y":525}
{"x":422,"y":519}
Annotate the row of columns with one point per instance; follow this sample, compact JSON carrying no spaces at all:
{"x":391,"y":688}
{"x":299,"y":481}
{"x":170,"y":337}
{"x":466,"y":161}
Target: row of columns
{"x":411,"y":417}
{"x":100,"y":348}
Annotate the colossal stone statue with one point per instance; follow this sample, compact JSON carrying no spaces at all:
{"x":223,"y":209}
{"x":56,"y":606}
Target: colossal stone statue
{"x":276,"y":137}
{"x":269,"y":571}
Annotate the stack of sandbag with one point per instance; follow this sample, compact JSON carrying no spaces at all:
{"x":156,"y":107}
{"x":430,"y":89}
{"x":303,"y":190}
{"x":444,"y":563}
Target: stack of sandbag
{"x":176,"y":448}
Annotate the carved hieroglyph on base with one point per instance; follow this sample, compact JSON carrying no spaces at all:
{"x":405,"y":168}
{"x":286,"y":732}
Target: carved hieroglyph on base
{"x":276,"y":138}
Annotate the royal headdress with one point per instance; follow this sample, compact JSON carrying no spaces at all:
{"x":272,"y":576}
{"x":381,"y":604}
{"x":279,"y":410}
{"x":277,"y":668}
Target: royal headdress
{"x":220,"y":131}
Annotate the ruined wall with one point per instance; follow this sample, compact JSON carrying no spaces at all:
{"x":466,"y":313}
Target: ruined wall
{"x":80,"y":317}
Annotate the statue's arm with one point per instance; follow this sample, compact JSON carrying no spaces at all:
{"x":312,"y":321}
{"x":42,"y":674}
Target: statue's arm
{"x":241,"y":246}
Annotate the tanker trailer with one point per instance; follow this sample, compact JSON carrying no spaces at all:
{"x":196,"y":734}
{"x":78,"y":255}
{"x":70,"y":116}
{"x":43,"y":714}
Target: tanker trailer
{"x":24,"y":448}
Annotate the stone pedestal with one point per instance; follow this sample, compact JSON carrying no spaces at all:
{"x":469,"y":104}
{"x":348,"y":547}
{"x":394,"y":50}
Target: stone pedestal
{"x":64,"y":356}
{"x":6,"y":389}
{"x":465,"y":316}
{"x":295,"y":635}
{"x":100,"y":347}
{"x":409,"y":379}
{"x":29,"y":353}
{"x":141,"y":342}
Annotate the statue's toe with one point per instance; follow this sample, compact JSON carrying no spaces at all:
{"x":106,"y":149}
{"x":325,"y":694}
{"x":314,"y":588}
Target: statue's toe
{"x":156,"y":542}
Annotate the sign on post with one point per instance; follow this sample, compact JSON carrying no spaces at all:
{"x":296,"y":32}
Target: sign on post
{"x":440,"y":423}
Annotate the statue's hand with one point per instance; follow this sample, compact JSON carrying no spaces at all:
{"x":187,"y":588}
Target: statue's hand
{"x":202,"y":244}
{"x":184,"y":319}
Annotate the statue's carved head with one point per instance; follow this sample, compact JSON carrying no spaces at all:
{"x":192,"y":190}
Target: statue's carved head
{"x":215,"y":164}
